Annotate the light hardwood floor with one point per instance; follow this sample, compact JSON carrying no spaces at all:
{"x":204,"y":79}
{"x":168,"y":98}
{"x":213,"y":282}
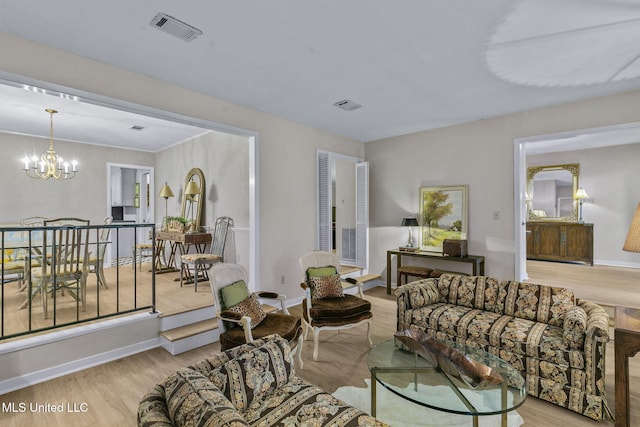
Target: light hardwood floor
{"x":112,"y":391}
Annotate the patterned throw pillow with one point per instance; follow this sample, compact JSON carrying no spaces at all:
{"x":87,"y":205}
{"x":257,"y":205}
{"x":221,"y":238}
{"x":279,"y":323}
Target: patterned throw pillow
{"x":250,"y":307}
{"x":326,"y":287}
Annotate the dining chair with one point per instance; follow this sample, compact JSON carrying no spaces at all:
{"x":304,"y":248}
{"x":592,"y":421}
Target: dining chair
{"x":96,"y":262}
{"x":326,"y":306}
{"x":200,"y":263}
{"x":64,"y":262}
{"x":241,"y":318}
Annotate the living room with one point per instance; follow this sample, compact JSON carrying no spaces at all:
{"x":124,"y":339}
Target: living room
{"x":479,"y":153}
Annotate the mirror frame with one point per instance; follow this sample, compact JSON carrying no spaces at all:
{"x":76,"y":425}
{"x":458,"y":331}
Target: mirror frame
{"x":197,"y":216}
{"x":574,"y":169}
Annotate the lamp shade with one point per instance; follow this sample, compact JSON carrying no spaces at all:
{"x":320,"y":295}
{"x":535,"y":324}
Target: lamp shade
{"x":632,"y":244}
{"x":165,"y":191}
{"x":192,"y":189}
{"x":581,"y":194}
{"x":409,"y":222}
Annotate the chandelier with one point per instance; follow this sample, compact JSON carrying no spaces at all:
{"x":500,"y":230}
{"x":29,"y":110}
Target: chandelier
{"x":50,"y":165}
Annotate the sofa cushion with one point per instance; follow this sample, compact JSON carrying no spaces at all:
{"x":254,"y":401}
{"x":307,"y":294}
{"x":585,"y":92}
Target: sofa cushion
{"x":192,"y":400}
{"x":507,"y":333}
{"x":479,"y":292}
{"x":250,"y":307}
{"x":254,"y":374}
{"x":288,"y":327}
{"x":540,"y":303}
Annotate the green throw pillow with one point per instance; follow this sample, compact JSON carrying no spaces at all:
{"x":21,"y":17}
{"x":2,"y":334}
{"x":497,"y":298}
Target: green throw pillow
{"x":233,"y":294}
{"x":329,"y":270}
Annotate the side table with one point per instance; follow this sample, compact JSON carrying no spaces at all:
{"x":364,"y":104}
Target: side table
{"x":627,"y":344}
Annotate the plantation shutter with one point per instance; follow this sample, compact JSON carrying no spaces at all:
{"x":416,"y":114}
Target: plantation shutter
{"x":324,"y":202}
{"x":362,"y":214}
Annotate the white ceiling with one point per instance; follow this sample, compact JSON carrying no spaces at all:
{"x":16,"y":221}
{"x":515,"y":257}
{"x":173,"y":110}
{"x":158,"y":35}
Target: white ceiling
{"x":413,"y":64}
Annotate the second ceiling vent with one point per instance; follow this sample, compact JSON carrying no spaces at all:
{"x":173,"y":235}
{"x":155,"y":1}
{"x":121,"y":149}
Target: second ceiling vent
{"x":175,"y":27}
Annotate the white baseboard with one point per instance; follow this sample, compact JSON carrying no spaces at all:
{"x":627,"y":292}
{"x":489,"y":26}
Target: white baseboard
{"x":22,"y":381}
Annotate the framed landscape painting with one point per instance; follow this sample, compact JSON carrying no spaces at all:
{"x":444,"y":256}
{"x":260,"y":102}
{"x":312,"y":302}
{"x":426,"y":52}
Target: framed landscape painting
{"x":443,"y":215}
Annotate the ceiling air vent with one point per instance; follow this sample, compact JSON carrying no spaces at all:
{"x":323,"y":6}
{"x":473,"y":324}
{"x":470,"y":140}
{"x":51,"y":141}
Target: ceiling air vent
{"x":175,"y":27}
{"x":347,"y":105}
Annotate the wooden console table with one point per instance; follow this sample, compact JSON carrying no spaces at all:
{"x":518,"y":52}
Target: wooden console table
{"x":627,"y":344}
{"x":179,"y":244}
{"x":476,"y":261}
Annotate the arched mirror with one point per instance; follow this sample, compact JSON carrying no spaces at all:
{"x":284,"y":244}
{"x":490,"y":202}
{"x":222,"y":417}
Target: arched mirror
{"x":551,"y":192}
{"x":193,"y":198}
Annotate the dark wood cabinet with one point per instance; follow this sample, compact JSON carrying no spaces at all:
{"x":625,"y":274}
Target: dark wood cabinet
{"x":560,"y":241}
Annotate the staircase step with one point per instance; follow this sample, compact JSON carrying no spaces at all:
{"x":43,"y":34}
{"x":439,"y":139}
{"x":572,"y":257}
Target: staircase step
{"x":367,"y":277}
{"x":187,"y":331}
{"x":188,"y":337}
{"x":180,"y":318}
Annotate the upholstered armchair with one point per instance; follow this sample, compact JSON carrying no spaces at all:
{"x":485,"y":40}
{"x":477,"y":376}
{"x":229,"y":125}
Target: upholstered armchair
{"x":326,"y":306}
{"x":242,"y":318}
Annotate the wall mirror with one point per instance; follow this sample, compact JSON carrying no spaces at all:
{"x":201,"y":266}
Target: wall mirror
{"x":550,"y":192}
{"x":193,"y":198}
{"x":343,"y":207}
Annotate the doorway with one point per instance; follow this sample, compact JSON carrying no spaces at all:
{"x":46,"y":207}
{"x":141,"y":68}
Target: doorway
{"x":611,"y":210}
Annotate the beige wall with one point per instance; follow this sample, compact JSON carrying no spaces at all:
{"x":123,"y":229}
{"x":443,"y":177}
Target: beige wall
{"x":480,"y":154}
{"x":286,"y":150}
{"x":224,"y":161}
{"x":84,"y":196}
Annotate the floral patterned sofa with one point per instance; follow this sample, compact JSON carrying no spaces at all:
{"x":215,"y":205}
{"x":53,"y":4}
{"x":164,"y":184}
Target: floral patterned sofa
{"x":556,"y":341}
{"x":250,"y":385}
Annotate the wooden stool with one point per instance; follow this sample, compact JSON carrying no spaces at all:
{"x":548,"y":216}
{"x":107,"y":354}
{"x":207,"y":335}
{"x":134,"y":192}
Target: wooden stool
{"x":413,"y":271}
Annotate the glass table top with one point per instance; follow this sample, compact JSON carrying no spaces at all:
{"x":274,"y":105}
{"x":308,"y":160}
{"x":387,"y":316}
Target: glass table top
{"x":414,"y":378}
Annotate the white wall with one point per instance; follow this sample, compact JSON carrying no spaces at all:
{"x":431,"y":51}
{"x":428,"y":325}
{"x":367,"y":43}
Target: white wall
{"x":286,"y":150}
{"x":610,"y":175}
{"x":481,"y":154}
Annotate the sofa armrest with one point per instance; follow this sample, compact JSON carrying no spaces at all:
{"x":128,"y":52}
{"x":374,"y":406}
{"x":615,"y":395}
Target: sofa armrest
{"x":414,"y":295}
{"x":418,"y":294}
{"x":597,"y":321}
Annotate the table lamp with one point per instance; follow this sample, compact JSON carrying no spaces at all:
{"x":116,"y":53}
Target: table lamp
{"x":192,"y":192}
{"x":581,"y":194}
{"x":632,"y":244}
{"x":165,"y":193}
{"x":409,"y":222}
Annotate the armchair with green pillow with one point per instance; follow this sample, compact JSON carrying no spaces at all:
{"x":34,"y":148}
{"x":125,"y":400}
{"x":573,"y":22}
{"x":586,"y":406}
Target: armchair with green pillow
{"x":326,"y":306}
{"x":242,"y":318}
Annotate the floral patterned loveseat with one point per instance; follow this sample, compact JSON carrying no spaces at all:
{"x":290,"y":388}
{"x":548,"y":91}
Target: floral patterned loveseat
{"x":556,"y":341}
{"x":249,"y":385}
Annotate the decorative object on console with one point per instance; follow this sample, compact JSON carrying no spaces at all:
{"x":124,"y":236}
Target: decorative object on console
{"x":176,"y":223}
{"x":50,"y":164}
{"x":632,"y":243}
{"x":580,"y":195}
{"x":443,"y":214}
{"x":450,"y":360}
{"x":409,"y":222}
{"x":454,"y":247}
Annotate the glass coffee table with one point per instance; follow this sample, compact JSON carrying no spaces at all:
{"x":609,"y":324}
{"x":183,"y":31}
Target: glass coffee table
{"x":415,"y":379}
